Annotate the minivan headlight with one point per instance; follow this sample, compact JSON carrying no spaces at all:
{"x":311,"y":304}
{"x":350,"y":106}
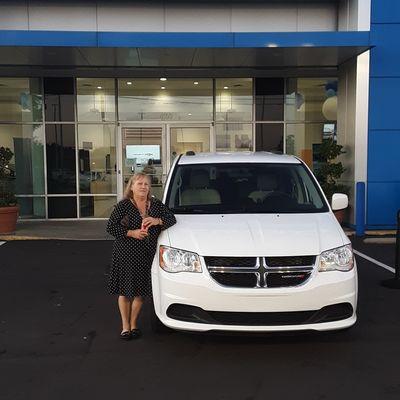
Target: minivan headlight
{"x":339,"y":259}
{"x":176,"y":260}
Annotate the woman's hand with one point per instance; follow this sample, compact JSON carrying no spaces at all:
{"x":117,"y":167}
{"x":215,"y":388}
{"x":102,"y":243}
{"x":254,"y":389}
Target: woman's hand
{"x":139,"y":234}
{"x":150,"y":221}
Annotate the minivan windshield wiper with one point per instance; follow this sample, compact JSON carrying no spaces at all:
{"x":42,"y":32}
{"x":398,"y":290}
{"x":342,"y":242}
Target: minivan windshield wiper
{"x":188,"y":210}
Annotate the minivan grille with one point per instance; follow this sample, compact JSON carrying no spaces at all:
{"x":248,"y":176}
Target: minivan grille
{"x":260,"y":272}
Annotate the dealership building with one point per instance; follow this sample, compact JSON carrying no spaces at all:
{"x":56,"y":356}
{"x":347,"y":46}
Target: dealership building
{"x":90,"y":91}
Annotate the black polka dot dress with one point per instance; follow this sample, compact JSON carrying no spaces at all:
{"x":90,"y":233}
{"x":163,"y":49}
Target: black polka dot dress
{"x":130,"y":273}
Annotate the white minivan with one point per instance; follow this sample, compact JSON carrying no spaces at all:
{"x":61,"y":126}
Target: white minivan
{"x":256,"y":247}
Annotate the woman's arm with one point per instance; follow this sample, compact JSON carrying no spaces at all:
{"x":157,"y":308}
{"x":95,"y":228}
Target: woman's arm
{"x":167,"y":217}
{"x":114,"y":226}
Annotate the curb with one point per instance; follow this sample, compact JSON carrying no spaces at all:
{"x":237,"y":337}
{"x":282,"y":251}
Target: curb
{"x":14,"y":238}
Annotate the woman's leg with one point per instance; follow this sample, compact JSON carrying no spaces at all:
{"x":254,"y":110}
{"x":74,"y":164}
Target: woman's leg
{"x":124,"y":304}
{"x":137,"y":304}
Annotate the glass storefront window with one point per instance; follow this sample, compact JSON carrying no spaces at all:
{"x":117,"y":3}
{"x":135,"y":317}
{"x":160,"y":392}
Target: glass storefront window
{"x":234,"y":99}
{"x":185,"y":139}
{"x":21,"y":100}
{"x":234,"y":137}
{"x":269,"y":137}
{"x":165,"y":100}
{"x":96,"y":206}
{"x":32,"y":207}
{"x":97,"y":159}
{"x":304,"y":140}
{"x":62,"y":207}
{"x":59,"y":99}
{"x":60,"y":154}
{"x":311,"y":99}
{"x":26,"y":168}
{"x":269,"y":99}
{"x":95,"y":99}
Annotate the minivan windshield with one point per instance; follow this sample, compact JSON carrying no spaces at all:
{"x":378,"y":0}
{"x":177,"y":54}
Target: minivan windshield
{"x":244,"y":188}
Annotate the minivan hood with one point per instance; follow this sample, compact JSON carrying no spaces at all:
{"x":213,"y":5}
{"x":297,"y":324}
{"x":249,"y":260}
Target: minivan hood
{"x":257,"y":234}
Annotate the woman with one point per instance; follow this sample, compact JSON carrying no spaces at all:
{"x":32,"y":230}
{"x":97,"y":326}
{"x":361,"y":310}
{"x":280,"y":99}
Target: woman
{"x":136,"y":223}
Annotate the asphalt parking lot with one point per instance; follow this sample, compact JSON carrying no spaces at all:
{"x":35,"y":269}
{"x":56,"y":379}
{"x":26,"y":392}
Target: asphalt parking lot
{"x":59,"y":340}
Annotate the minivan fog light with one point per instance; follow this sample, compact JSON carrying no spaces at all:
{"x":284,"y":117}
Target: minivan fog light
{"x":175,"y":260}
{"x":339,"y":259}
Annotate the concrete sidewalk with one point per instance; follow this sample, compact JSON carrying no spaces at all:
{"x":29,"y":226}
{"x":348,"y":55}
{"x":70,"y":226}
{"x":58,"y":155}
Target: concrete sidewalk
{"x":60,"y":230}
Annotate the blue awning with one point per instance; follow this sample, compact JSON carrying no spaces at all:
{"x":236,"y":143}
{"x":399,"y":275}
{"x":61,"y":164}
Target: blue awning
{"x":184,"y":50}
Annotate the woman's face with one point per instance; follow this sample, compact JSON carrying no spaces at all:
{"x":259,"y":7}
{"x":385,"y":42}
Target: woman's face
{"x":141,"y":187}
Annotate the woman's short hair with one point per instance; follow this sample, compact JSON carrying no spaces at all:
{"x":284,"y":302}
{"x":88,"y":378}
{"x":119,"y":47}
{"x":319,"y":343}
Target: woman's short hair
{"x":128,"y":194}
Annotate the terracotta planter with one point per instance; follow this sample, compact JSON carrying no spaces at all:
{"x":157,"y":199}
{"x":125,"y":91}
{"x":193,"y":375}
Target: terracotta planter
{"x":8,"y":219}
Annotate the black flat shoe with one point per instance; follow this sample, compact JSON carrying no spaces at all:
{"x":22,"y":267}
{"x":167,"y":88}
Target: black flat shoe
{"x":125,"y":335}
{"x":136,"y":333}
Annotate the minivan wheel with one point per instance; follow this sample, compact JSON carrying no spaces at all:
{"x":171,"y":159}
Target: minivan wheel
{"x":157,"y":326}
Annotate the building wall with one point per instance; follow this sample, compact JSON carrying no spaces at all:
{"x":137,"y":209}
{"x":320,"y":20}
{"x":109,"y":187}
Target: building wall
{"x":285,"y":16}
{"x":383,"y":190}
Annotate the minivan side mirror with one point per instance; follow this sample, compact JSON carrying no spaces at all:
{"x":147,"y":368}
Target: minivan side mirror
{"x":339,"y":201}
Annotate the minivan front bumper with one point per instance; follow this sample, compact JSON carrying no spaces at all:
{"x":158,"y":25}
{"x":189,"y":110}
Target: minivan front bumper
{"x":327,"y":301}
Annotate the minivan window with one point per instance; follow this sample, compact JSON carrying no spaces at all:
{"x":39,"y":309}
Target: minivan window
{"x":244,"y":188}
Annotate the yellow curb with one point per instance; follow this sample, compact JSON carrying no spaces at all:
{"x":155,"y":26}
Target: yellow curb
{"x":9,"y":238}
{"x":380,"y":233}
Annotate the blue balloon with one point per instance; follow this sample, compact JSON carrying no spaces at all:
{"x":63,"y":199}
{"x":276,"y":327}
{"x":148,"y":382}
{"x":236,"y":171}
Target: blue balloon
{"x":330,"y":93}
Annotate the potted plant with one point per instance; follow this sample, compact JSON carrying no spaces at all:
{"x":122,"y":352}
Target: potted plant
{"x":8,"y":201}
{"x":329,"y":172}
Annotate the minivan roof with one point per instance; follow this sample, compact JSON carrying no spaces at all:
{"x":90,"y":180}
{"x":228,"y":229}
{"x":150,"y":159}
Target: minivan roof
{"x":238,"y":157}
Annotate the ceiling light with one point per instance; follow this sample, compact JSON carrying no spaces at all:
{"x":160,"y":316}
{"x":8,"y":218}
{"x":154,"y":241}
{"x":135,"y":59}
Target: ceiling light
{"x":226,"y":87}
{"x":129,"y":83}
{"x":189,"y":114}
{"x":195,"y":83}
{"x":163,"y":79}
{"x":99,"y":87}
{"x":162,"y":87}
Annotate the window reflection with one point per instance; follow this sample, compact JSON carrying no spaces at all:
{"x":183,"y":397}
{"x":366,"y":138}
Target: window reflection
{"x":60,"y":154}
{"x":185,"y":139}
{"x":62,"y":207}
{"x":167,"y":100}
{"x":26,"y":168}
{"x":311,"y":99}
{"x":20,"y":99}
{"x":31,"y":207}
{"x":95,"y":99}
{"x":234,"y":137}
{"x":97,"y":159}
{"x":269,"y":137}
{"x":304,"y":140}
{"x":269,"y":99}
{"x":96,"y":206}
{"x":59,"y":99}
{"x":234,"y":99}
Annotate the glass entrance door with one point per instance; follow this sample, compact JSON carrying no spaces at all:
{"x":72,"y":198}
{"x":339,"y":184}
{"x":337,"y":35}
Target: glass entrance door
{"x":143,"y":150}
{"x":152,"y":149}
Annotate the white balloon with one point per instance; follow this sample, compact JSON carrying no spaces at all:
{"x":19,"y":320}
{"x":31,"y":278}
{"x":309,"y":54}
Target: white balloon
{"x":329,"y":108}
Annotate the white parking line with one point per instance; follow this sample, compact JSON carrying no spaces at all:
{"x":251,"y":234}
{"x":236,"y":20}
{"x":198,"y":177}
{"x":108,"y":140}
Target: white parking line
{"x":2,"y":243}
{"x":374,"y":261}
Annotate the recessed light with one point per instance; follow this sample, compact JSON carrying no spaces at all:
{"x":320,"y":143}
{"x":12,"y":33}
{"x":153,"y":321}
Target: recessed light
{"x":189,"y":114}
{"x":99,"y":87}
{"x":195,"y":83}
{"x":162,"y":87}
{"x":163,"y":79}
{"x":226,"y":87}
{"x":129,"y":83}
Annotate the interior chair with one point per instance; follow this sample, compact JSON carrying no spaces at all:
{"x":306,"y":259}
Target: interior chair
{"x":266,"y":184}
{"x":199,"y":191}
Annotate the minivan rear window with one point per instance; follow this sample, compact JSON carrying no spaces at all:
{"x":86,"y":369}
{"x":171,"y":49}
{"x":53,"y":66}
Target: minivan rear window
{"x":244,"y":188}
